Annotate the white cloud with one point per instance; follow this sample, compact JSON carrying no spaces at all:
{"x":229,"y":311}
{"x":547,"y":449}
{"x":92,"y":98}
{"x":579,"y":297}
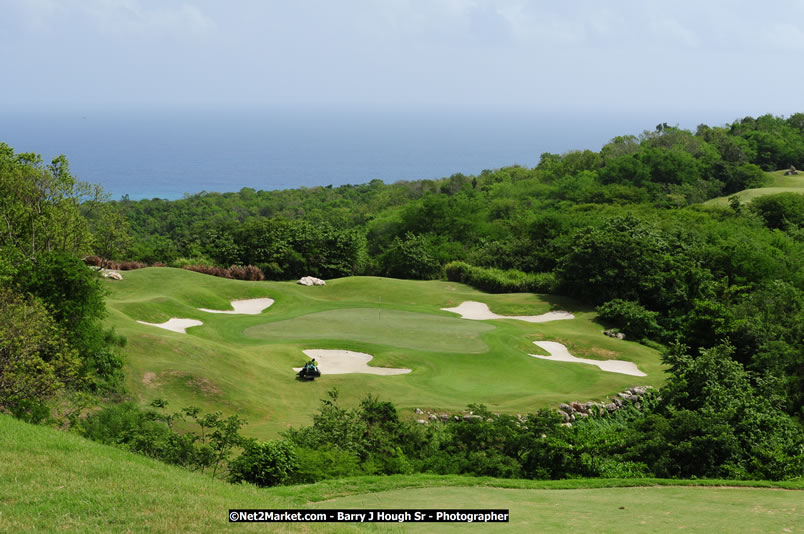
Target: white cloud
{"x":785,"y":36}
{"x":37,"y":14}
{"x":548,"y":28}
{"x":131,"y":16}
{"x":679,"y":33}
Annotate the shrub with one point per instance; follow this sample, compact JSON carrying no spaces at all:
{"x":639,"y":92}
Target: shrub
{"x":195,"y":260}
{"x":131,"y":265}
{"x":209,"y":269}
{"x":324,"y":463}
{"x":253,"y":273}
{"x":634,"y":320}
{"x":500,"y":281}
{"x":97,"y":261}
{"x":236,"y":272}
{"x":265,"y":464}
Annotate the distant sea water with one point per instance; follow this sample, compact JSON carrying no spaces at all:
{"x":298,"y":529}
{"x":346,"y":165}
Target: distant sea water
{"x":169,"y":155}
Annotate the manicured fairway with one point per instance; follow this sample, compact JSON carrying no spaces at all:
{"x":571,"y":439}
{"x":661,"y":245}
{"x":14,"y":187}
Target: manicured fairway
{"x":52,"y":481}
{"x":244,"y":363}
{"x":779,"y":183}
{"x":616,"y":510}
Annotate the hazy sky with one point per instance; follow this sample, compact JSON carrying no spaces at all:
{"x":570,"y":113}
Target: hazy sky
{"x":707,"y":56}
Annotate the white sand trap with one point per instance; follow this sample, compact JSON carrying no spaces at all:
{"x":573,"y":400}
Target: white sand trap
{"x":175,"y":325}
{"x":340,"y":362}
{"x":559,"y":353}
{"x":244,"y":307}
{"x":479,"y":311}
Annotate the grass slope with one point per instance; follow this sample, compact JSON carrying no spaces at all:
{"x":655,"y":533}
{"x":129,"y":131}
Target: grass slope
{"x":778,"y":183}
{"x":243,"y":364}
{"x":54,"y":481}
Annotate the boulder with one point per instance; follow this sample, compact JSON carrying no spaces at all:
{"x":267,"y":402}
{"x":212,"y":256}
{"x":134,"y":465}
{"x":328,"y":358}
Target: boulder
{"x":418,"y":411}
{"x":577,"y":406}
{"x":311,"y":281}
{"x":421,"y":421}
{"x":472,"y":418}
{"x":112,"y":275}
{"x":611,"y":407}
{"x":614,"y":333}
{"x":444,"y":417}
{"x":564,"y":415}
{"x":565,"y":408}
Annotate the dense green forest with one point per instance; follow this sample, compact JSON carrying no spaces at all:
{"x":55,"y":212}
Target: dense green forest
{"x":719,"y":289}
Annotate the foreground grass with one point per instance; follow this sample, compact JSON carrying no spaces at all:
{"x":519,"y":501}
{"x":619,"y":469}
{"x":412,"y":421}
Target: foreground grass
{"x":778,"y":183}
{"x":244,"y":364}
{"x":53,"y":481}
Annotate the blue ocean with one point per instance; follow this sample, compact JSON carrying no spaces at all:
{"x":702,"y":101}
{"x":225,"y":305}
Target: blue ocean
{"x":172,"y":154}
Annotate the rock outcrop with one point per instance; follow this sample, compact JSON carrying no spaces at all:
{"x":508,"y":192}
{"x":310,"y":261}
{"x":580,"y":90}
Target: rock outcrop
{"x":569,"y":412}
{"x":614,"y":333}
{"x":311,"y":281}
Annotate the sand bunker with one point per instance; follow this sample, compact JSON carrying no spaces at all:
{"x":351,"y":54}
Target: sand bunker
{"x":339,"y":362}
{"x":479,"y":311}
{"x":559,"y":353}
{"x":175,"y":325}
{"x":244,"y":307}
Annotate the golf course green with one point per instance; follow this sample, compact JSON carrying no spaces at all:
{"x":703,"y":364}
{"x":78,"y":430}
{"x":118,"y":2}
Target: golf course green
{"x":244,"y":363}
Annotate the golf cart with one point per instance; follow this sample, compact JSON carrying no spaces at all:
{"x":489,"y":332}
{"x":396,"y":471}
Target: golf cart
{"x":309,"y":371}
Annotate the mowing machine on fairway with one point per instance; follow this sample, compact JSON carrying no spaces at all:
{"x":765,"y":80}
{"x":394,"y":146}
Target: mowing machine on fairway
{"x":309,"y":371}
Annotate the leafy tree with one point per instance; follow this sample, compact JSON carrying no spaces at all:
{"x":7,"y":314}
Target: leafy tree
{"x":411,"y":257}
{"x":626,"y":169}
{"x":74,"y":296}
{"x":634,"y":320}
{"x":36,"y":361}
{"x":629,"y":259}
{"x":265,"y":464}
{"x":782,"y":211}
{"x":111,"y":237}
{"x":41,"y":206}
{"x":714,"y":422}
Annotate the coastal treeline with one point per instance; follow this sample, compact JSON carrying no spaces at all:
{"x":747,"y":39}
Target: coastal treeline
{"x":718,"y":288}
{"x":623,"y":229}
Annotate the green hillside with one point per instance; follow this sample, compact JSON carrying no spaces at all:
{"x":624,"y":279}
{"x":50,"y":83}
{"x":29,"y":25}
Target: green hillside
{"x":778,"y":183}
{"x":54,"y":481}
{"x":243,"y":363}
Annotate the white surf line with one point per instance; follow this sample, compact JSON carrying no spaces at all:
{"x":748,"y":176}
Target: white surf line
{"x":175,"y":325}
{"x":479,"y":311}
{"x":245,"y":307}
{"x":340,"y":362}
{"x":559,"y":353}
